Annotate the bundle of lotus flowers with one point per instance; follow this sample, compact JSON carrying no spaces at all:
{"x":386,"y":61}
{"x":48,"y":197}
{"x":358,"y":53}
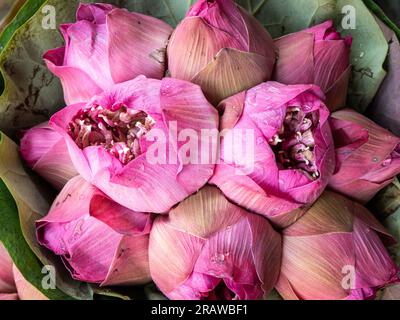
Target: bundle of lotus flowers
{"x":208,"y":155}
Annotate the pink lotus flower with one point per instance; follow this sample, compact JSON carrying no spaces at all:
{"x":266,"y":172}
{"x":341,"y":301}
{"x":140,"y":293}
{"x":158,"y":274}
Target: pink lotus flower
{"x":292,"y":156}
{"x":45,"y":151}
{"x":13,"y":285}
{"x":98,"y":240}
{"x":111,"y":141}
{"x":316,"y":56}
{"x":368,"y":156}
{"x":335,"y":252}
{"x":105,"y":46}
{"x":222,"y":48}
{"x":210,"y":249}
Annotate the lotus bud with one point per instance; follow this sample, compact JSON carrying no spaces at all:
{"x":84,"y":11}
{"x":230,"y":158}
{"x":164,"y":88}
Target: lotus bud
{"x":210,"y":249}
{"x":368,"y":156}
{"x":13,"y":285}
{"x":335,"y":251}
{"x":277,"y":152}
{"x":128,"y":141}
{"x":222,"y":48}
{"x":107,"y":45}
{"x":321,"y":57}
{"x":45,"y":152}
{"x":98,"y":240}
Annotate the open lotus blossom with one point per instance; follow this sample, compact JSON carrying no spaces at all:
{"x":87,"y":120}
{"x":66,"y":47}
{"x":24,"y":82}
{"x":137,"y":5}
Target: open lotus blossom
{"x":368,"y":156}
{"x":335,"y":251}
{"x":45,"y":151}
{"x":293,"y":155}
{"x":210,"y":249}
{"x":129,"y":141}
{"x":13,"y":285}
{"x":98,"y":240}
{"x":222,"y":48}
{"x":107,"y":45}
{"x":318,"y":55}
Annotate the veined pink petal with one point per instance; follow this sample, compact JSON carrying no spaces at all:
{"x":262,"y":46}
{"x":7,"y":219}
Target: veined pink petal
{"x":370,"y":160}
{"x":336,"y":95}
{"x":26,"y":291}
{"x":224,"y":16}
{"x":130,"y":265}
{"x":169,"y":271}
{"x":193,"y":45}
{"x":335,"y":251}
{"x":232,"y":109}
{"x":71,"y":232}
{"x":45,"y":151}
{"x":267,"y":263}
{"x":313,"y":266}
{"x":322,"y":58}
{"x":149,"y":37}
{"x":8,"y":296}
{"x":232,"y":71}
{"x":74,"y":91}
{"x":228,"y":255}
{"x":338,"y":55}
{"x":87,"y":50}
{"x":93,"y":12}
{"x":36,"y":142}
{"x":375,"y":268}
{"x":298,"y":68}
{"x":243,"y":191}
{"x":7,"y":284}
{"x":119,"y":218}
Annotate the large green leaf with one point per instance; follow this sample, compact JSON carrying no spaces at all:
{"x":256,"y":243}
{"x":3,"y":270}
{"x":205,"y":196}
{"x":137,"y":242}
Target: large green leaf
{"x":32,"y":203}
{"x":31,"y":93}
{"x":171,"y":11}
{"x":386,"y":206}
{"x":23,"y":15}
{"x":281,"y":17}
{"x":386,"y":9}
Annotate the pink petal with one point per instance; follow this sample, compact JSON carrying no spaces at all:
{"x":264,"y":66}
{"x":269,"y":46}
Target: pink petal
{"x":193,"y":45}
{"x":8,"y":296}
{"x":130,"y":265}
{"x":313,"y":266}
{"x":225,"y":16}
{"x":95,"y":13}
{"x":368,"y":161}
{"x":74,"y":91}
{"x":267,"y":262}
{"x":119,"y":218}
{"x":298,"y":68}
{"x":70,"y":232}
{"x":45,"y":151}
{"x":7,"y":284}
{"x":136,"y":45}
{"x":331,"y":61}
{"x":87,"y":50}
{"x":26,"y":291}
{"x":169,"y":269}
{"x":375,"y":268}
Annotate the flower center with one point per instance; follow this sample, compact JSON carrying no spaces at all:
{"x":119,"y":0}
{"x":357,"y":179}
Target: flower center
{"x":117,"y":131}
{"x":294,"y":144}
